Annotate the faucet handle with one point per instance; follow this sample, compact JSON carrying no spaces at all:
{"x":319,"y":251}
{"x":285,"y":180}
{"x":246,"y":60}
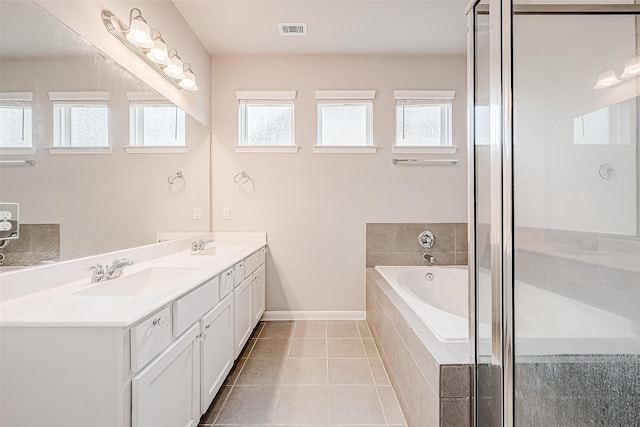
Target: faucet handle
{"x":99,"y":268}
{"x":122,"y":262}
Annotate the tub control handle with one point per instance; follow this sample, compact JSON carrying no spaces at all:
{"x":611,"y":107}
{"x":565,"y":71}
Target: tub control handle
{"x":429,"y":276}
{"x":426,"y":239}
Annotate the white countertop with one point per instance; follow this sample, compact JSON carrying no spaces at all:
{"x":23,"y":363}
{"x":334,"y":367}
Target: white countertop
{"x":58,"y":306}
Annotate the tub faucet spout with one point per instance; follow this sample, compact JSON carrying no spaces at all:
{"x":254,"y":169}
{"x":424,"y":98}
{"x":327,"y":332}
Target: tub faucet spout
{"x":429,"y":257}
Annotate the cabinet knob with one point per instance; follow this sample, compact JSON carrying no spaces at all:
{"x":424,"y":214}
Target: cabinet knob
{"x":160,"y":322}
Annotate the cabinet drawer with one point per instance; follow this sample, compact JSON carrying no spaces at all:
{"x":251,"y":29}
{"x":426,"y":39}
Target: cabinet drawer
{"x":227,"y":279}
{"x":240,"y":272}
{"x":149,"y":338}
{"x":192,"y":306}
{"x":252,"y":262}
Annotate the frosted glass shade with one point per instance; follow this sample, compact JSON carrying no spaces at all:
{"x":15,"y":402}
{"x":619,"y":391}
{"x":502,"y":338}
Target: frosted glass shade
{"x":607,"y":79}
{"x":189,"y":81}
{"x":174,"y":69}
{"x":631,"y":67}
{"x":159,"y":53}
{"x":139,"y":34}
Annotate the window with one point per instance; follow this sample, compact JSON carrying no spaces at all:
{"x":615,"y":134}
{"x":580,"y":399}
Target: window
{"x":423,"y":121}
{"x":15,"y":121}
{"x":266,"y":121}
{"x":156,"y":125}
{"x":345,"y":121}
{"x":80,"y":122}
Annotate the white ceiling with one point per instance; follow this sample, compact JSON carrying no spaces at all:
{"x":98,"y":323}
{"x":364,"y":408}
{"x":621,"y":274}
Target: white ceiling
{"x":228,"y":27}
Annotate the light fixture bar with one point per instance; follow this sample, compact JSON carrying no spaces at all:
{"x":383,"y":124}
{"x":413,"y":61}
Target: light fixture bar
{"x":108,"y":19}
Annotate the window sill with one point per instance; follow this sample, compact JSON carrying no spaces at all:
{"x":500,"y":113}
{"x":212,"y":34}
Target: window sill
{"x":18,"y":151}
{"x":345,"y":149}
{"x":79,"y":150}
{"x":281,"y":149}
{"x":156,"y":149}
{"x":435,"y":149}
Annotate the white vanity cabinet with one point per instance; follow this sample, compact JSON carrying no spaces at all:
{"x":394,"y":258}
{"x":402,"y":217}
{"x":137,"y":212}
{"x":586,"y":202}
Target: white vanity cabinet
{"x":248,"y":298}
{"x":166,"y":393}
{"x":216,"y":350}
{"x":243,"y":316}
{"x":258,"y":295}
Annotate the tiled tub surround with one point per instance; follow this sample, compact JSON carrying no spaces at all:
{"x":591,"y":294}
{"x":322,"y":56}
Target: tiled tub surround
{"x":37,"y":243}
{"x":397,"y":244}
{"x":432,"y":379}
{"x":316,"y":373}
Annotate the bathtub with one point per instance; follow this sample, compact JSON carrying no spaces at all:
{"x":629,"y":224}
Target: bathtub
{"x":545,"y":322}
{"x":442,"y":302}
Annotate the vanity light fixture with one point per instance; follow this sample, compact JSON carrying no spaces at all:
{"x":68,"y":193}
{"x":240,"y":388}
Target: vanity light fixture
{"x":149,"y":45}
{"x":607,"y":79}
{"x":631,"y":67}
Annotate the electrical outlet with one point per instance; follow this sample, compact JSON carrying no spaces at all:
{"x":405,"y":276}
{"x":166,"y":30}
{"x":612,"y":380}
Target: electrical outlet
{"x":5,"y":215}
{"x":5,"y":226}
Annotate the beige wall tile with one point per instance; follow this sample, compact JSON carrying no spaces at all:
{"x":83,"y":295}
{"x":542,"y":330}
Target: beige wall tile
{"x":45,"y":238}
{"x":445,"y":235}
{"x":461,"y":237}
{"x":407,"y":237}
{"x":390,"y":405}
{"x":462,"y":258}
{"x":380,"y":258}
{"x":381,"y":237}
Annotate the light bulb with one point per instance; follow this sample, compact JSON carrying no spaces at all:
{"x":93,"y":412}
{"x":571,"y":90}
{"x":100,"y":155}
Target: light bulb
{"x":159,"y":53}
{"x":139,"y":34}
{"x":174,"y":69}
{"x":189,"y":81}
{"x":631,"y":67}
{"x":607,"y":79}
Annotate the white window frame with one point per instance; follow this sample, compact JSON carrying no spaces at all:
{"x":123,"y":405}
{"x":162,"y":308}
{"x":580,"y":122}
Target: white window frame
{"x":258,"y":97}
{"x":62,"y":103}
{"x":425,"y":97}
{"x":326,"y":98}
{"x":23,"y":100}
{"x":136,"y":100}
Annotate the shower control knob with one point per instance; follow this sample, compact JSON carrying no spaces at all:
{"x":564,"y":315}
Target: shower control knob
{"x":426,"y":239}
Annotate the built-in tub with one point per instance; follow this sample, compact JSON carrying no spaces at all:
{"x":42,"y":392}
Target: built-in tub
{"x":438,"y":295}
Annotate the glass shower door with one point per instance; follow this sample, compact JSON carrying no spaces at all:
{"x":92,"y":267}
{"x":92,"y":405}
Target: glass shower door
{"x":576,"y":246}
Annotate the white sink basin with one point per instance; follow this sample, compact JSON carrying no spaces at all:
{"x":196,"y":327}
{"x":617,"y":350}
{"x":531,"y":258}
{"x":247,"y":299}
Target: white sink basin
{"x":136,"y":283}
{"x":220,"y":250}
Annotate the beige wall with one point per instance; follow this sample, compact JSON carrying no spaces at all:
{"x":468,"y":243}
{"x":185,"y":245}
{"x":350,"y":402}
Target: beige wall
{"x":102,"y":202}
{"x":84,"y":17}
{"x":314,"y":207}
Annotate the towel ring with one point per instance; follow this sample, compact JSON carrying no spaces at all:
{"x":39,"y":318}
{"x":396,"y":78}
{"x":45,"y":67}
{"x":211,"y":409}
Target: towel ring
{"x":172,"y":179}
{"x":241,"y":178}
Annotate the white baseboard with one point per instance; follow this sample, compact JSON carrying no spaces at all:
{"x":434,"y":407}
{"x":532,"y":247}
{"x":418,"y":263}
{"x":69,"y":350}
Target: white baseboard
{"x":314,"y":315}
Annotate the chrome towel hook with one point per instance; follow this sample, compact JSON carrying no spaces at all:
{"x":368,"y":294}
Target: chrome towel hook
{"x":241,"y":178}
{"x":172,"y":179}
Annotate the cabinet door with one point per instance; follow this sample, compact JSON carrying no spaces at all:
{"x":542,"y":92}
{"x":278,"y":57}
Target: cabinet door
{"x":242,"y":314}
{"x":167,"y":392}
{"x":216,"y":350}
{"x":257,"y":301}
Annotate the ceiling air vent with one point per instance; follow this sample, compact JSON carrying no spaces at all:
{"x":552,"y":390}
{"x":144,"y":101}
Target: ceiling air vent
{"x":287,"y":29}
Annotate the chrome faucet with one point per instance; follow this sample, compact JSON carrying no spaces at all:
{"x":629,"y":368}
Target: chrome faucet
{"x":198,"y":245}
{"x":98,"y":272}
{"x":429,"y":257}
{"x":116,"y":268}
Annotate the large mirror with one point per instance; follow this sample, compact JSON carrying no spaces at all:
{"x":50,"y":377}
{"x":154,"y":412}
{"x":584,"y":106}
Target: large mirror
{"x":61,"y":101}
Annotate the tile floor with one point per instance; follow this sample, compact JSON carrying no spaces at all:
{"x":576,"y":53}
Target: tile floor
{"x":307,"y":373}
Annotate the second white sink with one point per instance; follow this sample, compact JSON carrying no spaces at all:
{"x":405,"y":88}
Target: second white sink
{"x":136,"y":283}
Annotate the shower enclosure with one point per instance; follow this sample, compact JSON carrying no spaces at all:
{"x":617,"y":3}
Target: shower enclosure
{"x":554,"y":212}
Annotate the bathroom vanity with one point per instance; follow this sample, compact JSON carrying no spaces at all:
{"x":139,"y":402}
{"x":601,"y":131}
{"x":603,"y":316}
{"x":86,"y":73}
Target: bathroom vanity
{"x":148,"y":349}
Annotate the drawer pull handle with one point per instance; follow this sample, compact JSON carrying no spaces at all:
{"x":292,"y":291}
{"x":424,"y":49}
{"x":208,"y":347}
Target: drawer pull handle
{"x":160,"y":322}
